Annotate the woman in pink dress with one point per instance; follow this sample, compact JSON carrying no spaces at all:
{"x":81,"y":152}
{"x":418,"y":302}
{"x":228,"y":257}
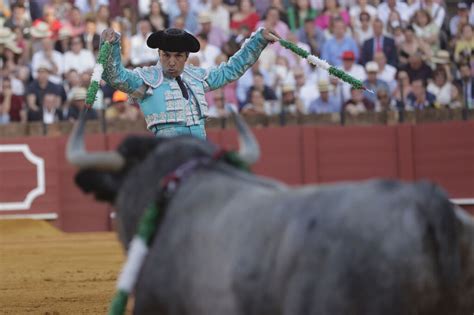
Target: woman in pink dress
{"x":245,"y":15}
{"x":332,"y":10}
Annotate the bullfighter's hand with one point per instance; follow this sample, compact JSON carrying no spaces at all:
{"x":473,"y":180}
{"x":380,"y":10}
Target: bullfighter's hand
{"x":270,"y":35}
{"x":108,"y":35}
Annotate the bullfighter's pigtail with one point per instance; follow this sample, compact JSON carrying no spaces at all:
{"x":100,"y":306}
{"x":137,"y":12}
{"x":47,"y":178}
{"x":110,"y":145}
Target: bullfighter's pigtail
{"x":323,"y":64}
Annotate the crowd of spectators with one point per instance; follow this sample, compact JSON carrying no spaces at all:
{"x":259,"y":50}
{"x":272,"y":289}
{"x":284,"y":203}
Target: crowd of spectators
{"x":413,"y":54}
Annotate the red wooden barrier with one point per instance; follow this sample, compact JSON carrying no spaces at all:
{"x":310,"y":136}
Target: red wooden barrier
{"x":442,"y":152}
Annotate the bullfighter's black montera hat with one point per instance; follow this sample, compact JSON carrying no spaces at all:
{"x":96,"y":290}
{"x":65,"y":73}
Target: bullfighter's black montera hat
{"x":174,"y":40}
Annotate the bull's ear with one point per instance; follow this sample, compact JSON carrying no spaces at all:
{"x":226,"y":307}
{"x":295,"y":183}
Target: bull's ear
{"x":103,"y":185}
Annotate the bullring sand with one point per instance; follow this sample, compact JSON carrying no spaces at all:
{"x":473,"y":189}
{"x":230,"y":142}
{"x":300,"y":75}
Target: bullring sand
{"x":45,"y":271}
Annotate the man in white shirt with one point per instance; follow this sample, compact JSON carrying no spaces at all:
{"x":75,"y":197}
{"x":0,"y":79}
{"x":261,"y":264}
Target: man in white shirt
{"x":208,"y":53}
{"x":78,"y":58}
{"x":350,"y":67}
{"x":385,"y":8}
{"x":140,"y":53}
{"x":49,"y":56}
{"x":386,"y":72}
{"x":219,"y":15}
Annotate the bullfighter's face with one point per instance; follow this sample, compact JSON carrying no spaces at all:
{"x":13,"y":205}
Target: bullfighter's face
{"x":173,"y":62}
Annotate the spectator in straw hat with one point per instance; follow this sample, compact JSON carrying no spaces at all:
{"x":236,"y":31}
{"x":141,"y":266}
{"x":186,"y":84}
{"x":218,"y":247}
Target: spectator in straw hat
{"x":325,"y":103}
{"x":38,"y":88}
{"x":290,"y":103}
{"x":38,"y":32}
{"x":442,"y":60}
{"x":77,"y":103}
{"x":373,"y":82}
{"x":215,"y":35}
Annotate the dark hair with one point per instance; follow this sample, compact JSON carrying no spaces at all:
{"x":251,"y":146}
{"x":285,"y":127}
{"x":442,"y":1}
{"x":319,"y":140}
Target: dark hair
{"x":364,"y":13}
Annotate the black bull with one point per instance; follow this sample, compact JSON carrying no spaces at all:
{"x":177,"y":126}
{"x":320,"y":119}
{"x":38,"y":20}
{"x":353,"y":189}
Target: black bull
{"x":233,"y":243}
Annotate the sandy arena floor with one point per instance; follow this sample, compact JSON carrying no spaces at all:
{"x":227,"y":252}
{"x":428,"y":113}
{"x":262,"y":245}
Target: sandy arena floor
{"x":44,"y":271}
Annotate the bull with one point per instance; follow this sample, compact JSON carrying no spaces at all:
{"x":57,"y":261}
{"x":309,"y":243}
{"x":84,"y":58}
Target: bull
{"x":229,"y":242}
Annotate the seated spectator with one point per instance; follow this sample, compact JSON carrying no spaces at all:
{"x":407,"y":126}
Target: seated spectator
{"x":48,"y":55}
{"x":75,"y":22}
{"x":120,"y":109}
{"x":90,"y":37}
{"x":442,"y":60}
{"x":298,"y":13}
{"x":402,"y":90}
{"x":258,"y":105}
{"x":311,"y":36}
{"x":245,"y":15}
{"x":158,"y":19}
{"x":385,"y":102}
{"x":38,"y":32}
{"x":386,"y":72}
{"x":379,"y":42}
{"x":425,"y":29}
{"x":102,"y":18}
{"x":63,"y":44}
{"x":77,"y":103}
{"x":11,"y":105}
{"x":412,"y":45}
{"x":11,"y":68}
{"x":246,"y":81}
{"x":78,"y":58}
{"x":436,"y":11}
{"x":363,"y":31}
{"x":208,"y":53}
{"x":189,"y":15}
{"x":462,"y":15}
{"x":220,"y":103}
{"x":50,"y":18}
{"x":20,"y":17}
{"x":464,"y":48}
{"x":388,"y":6}
{"x":355,"y":12}
{"x":465,"y":85}
{"x":289,"y":102}
{"x":140,"y":54}
{"x":304,"y":89}
{"x":125,"y":41}
{"x":325,"y":103}
{"x":372,"y":82}
{"x":445,"y":92}
{"x":259,"y":84}
{"x":357,"y":103}
{"x":51,"y":109}
{"x":215,"y":35}
{"x":272,"y":21}
{"x":332,"y":10}
{"x":419,"y":98}
{"x":350,"y":67}
{"x":38,"y":88}
{"x":417,"y":68}
{"x":220,"y":16}
{"x":334,"y":47}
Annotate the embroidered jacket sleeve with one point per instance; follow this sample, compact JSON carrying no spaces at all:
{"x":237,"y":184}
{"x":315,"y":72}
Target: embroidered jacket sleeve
{"x":238,"y":63}
{"x":120,"y":78}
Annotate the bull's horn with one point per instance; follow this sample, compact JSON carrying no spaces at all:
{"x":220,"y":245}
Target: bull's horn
{"x":76,"y":155}
{"x":249,"y":151}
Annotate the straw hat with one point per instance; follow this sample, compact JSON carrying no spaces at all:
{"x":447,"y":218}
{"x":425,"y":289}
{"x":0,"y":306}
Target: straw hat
{"x":78,"y":94}
{"x":324,"y":86}
{"x":13,"y":46}
{"x":44,"y":65}
{"x":65,"y":32}
{"x":441,"y":57}
{"x":204,"y":17}
{"x":6,"y":35}
{"x":371,"y":66}
{"x":287,"y":88}
{"x":40,"y":30}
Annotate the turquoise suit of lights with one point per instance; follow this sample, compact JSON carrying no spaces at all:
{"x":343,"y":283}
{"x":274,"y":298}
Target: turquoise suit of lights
{"x":167,"y":112}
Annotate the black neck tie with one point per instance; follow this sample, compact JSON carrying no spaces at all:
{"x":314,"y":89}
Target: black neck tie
{"x":182,"y":87}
